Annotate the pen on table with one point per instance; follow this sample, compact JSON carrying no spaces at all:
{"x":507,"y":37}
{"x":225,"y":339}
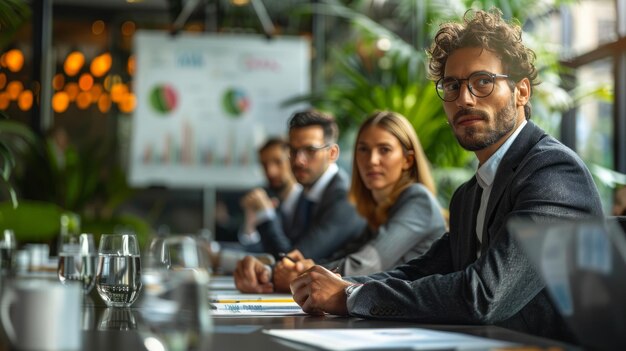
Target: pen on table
{"x":284,"y":255}
{"x":260,"y":300}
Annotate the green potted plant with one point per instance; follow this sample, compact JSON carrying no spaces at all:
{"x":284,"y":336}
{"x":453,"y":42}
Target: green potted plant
{"x":363,"y":75}
{"x":50,"y":180}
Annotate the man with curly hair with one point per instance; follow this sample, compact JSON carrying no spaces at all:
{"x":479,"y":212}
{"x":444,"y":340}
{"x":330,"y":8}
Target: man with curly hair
{"x":476,"y":273}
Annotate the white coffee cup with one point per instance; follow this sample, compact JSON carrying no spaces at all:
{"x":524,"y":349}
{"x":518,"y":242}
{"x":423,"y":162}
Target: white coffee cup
{"x":40,"y":314}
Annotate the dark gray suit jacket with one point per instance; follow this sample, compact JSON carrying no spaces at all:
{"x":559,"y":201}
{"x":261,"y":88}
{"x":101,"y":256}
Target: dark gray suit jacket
{"x":333,"y":223}
{"x":538,"y":178}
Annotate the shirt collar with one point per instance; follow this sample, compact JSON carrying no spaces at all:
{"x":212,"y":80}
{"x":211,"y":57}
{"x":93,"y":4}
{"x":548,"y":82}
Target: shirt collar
{"x":487,"y":172}
{"x":315,"y":193}
{"x":289,"y":203}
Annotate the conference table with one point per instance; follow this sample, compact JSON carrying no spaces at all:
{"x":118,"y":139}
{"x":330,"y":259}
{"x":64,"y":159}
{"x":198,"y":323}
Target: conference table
{"x":113,"y":329}
{"x":246,"y":332}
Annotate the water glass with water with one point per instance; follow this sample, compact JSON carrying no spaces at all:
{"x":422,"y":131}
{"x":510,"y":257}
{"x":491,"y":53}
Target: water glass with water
{"x":175,"y":301}
{"x":7,"y":248}
{"x":118,"y":277}
{"x":77,"y":261}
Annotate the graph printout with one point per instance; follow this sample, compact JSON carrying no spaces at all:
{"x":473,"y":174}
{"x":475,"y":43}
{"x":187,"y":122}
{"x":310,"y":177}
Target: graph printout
{"x":206,"y":102}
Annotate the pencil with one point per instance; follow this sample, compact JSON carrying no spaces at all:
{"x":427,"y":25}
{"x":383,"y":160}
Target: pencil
{"x":284,"y":255}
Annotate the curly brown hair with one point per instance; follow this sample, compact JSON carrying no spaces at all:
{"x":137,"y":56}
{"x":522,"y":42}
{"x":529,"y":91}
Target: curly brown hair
{"x":487,"y":30}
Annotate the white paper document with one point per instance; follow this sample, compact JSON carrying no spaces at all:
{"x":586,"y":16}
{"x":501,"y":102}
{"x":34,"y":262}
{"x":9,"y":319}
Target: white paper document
{"x":226,"y":297}
{"x":257,"y":309}
{"x":387,"y":338}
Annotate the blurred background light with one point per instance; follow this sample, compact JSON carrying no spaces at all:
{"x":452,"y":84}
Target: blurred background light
{"x":97,"y":27}
{"x":60,"y":101}
{"x":4,"y":100}
{"x":3,"y":80}
{"x":73,"y":63}
{"x":58,"y":81}
{"x":104,"y":103}
{"x":83,"y":100}
{"x":72,"y":90}
{"x":14,"y":60}
{"x":127,"y":103}
{"x":85,"y":82}
{"x":25,"y":100}
{"x":101,"y":64}
{"x":14,"y":89}
{"x":128,"y":28}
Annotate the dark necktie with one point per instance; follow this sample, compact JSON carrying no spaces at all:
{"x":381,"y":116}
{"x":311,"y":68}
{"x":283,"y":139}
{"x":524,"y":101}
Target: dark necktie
{"x":301,"y":217}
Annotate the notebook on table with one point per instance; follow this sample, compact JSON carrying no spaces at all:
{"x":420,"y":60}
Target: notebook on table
{"x":583,"y":264}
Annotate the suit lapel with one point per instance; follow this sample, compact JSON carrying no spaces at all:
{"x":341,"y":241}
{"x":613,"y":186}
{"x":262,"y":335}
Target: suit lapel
{"x":330,"y":188}
{"x":466,"y":251}
{"x":527,"y":138}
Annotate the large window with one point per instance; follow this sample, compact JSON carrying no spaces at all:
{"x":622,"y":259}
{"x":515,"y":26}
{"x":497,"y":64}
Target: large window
{"x":597,"y":52}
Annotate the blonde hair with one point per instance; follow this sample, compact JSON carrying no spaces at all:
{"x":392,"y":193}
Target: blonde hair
{"x":419,"y":172}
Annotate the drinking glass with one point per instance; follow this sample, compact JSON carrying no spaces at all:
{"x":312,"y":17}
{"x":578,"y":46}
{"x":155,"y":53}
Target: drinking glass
{"x":118,"y":277}
{"x":175,"y":304}
{"x":77,"y":261}
{"x":117,"y":319}
{"x":7,"y":248}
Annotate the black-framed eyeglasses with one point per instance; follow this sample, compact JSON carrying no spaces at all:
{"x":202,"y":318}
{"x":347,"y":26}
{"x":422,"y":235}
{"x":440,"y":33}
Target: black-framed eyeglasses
{"x":480,"y":84}
{"x":308,"y":151}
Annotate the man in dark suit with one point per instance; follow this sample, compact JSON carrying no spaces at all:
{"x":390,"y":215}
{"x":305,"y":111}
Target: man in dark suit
{"x":323,"y":219}
{"x":282,"y":189}
{"x":476,"y":273}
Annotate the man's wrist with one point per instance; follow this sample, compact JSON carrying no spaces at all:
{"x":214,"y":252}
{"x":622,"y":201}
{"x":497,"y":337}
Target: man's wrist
{"x":349,"y":290}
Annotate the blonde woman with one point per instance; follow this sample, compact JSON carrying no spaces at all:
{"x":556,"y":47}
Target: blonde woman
{"x":392,"y":188}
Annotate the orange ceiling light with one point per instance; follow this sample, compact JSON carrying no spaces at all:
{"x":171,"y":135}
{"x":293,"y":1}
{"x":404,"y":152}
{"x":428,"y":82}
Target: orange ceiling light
{"x":85,"y":82}
{"x":101,"y":64}
{"x":58,"y":81}
{"x":4,"y":100}
{"x":25,"y":100}
{"x":3,"y":80}
{"x":72,"y":90}
{"x":97,"y":27}
{"x":96,"y":91}
{"x":14,"y":60}
{"x":128,"y":103}
{"x":60,"y":101}
{"x":131,"y":67}
{"x":104,"y":103}
{"x":118,"y":91}
{"x":128,"y":28}
{"x":73,"y":63}
{"x":83,"y":100}
{"x":14,"y":89}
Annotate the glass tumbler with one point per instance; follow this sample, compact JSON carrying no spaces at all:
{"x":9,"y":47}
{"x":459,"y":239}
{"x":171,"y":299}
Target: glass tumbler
{"x":7,"y":248}
{"x":118,"y":276}
{"x":77,"y":261}
{"x":175,"y":304}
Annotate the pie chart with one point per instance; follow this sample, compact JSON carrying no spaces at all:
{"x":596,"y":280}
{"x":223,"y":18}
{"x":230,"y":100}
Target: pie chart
{"x":163,"y":98}
{"x":235,"y":102}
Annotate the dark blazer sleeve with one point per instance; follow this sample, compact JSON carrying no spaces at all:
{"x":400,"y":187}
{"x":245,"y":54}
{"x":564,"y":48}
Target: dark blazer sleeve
{"x":550,"y":182}
{"x":334,"y":222}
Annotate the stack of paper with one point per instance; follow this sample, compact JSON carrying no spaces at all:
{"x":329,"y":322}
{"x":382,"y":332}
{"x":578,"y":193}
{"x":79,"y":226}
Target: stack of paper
{"x":253,"y":304}
{"x":386,"y":339}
